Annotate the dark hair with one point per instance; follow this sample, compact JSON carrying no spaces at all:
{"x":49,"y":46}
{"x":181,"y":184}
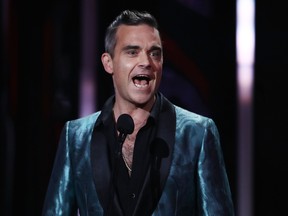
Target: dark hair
{"x":127,"y":17}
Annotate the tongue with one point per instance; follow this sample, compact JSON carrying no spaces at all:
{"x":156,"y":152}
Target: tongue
{"x":140,"y":82}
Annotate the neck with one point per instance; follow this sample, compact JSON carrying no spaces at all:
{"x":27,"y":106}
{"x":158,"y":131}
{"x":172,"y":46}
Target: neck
{"x":138,"y":113}
{"x":139,"y":117}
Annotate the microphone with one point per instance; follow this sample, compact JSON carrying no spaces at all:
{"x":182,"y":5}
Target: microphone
{"x":125,"y":126}
{"x":159,"y":149}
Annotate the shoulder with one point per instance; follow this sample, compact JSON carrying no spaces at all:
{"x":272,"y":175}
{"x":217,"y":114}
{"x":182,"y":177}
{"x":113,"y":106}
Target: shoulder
{"x":84,"y":122}
{"x":186,"y":117}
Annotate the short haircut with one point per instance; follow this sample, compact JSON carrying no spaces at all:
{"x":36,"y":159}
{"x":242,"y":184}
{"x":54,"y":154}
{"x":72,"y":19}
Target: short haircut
{"x":127,"y":17}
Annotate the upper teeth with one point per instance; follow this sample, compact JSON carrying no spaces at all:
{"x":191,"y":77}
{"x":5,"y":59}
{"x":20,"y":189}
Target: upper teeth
{"x":142,"y":77}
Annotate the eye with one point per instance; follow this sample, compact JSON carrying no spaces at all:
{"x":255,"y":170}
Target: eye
{"x":156,"y":54}
{"x":132,"y":52}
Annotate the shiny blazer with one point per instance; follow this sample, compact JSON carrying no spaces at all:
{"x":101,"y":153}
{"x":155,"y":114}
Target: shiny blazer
{"x":193,"y":177}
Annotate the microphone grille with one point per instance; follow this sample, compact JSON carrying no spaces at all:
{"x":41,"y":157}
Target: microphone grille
{"x":125,"y":124}
{"x":159,"y":148}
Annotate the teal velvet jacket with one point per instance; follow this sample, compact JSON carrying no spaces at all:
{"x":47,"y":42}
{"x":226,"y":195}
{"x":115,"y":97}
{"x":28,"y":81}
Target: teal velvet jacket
{"x":193,"y":177}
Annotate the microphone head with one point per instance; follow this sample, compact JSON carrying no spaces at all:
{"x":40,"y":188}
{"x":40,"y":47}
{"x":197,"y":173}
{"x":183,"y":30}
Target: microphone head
{"x":125,"y":124}
{"x":159,"y":148}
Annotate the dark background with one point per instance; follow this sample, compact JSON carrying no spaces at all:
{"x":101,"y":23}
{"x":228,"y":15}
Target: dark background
{"x":41,"y":60}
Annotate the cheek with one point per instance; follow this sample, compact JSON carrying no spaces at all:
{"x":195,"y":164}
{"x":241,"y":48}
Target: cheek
{"x":159,"y":75}
{"x":124,"y":66}
{"x":159,"y":70}
{"x":121,"y":73}
{"x":128,"y":66}
{"x":159,"y":78}
{"x":158,"y":65}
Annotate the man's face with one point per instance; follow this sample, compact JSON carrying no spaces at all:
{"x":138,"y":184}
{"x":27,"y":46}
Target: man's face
{"x":137,"y":64}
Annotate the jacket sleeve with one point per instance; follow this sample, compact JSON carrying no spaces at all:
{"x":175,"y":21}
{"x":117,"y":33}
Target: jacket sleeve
{"x":214,"y":195}
{"x":60,"y":196}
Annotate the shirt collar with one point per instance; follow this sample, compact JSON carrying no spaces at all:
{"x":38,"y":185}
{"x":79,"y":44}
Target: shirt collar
{"x":107,"y":110}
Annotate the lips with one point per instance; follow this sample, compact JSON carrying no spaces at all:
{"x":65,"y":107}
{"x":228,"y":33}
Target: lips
{"x":141,"y":80}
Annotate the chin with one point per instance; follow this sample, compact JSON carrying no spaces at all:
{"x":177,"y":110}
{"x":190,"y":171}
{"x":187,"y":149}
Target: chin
{"x":143,"y":101}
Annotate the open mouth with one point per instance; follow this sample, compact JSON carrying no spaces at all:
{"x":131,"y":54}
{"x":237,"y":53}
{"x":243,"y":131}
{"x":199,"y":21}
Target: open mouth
{"x":141,"y":80}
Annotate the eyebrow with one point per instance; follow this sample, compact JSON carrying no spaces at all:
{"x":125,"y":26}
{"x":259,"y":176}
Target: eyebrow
{"x":129,"y":47}
{"x":156,"y":48}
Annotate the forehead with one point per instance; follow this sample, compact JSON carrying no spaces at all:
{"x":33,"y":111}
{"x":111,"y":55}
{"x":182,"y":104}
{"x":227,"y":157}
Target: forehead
{"x":138,"y":34}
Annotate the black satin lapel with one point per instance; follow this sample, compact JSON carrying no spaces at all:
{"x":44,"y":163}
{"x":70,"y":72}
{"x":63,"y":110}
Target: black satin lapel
{"x":100,"y":165}
{"x":166,"y":131}
{"x":102,"y":174}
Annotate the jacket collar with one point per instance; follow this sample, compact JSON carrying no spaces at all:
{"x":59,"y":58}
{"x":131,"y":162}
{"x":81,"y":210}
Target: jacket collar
{"x":166,"y":126}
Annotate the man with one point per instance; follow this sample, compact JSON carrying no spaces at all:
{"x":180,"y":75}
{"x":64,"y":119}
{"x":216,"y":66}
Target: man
{"x":164,"y":161}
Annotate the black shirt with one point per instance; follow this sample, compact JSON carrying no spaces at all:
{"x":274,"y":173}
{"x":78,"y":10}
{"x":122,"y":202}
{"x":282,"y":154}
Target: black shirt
{"x":128,"y":189}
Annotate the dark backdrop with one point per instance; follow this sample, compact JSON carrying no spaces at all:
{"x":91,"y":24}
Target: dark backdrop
{"x":271,"y":111}
{"x":41,"y":60}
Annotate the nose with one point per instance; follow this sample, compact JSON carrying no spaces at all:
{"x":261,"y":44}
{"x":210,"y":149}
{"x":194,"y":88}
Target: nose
{"x":144,"y":60}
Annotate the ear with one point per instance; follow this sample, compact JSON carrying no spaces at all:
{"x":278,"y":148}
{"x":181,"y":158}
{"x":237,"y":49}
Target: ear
{"x":107,"y":62}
